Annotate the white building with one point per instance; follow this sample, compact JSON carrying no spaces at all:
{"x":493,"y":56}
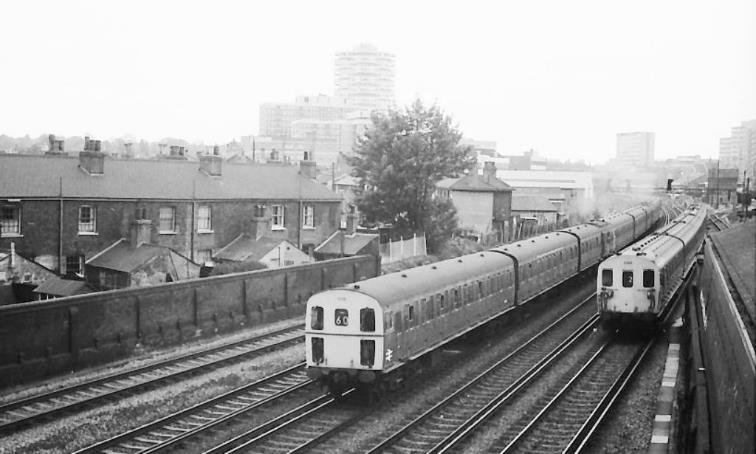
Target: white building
{"x":276,"y":118}
{"x":636,"y":148}
{"x":739,"y":150}
{"x":365,"y":76}
{"x":569,"y":192}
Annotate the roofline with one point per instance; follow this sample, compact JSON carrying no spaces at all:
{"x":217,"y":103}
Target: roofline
{"x":326,"y":241}
{"x":137,"y":199}
{"x":105,"y":250}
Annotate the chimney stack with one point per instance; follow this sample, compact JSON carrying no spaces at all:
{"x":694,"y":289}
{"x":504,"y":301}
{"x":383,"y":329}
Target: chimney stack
{"x":211,"y":165}
{"x":307,"y":166}
{"x":489,"y":171}
{"x":141,"y":231}
{"x":351,"y":223}
{"x":92,"y":160}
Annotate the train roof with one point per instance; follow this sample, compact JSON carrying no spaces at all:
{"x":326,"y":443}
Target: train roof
{"x":682,"y":228}
{"x":536,"y":245}
{"x":585,"y":230}
{"x":427,"y":279}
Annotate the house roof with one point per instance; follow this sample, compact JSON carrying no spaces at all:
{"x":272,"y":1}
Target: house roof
{"x":122,"y":257}
{"x":353,"y":244}
{"x":63,"y":287}
{"x":47,"y":176}
{"x":244,"y":248}
{"x":476,"y":183}
{"x":531,"y":203}
{"x":548,"y":179}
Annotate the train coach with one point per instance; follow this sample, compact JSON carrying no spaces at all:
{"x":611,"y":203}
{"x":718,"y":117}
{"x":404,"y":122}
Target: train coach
{"x":638,"y":283}
{"x":364,"y":334}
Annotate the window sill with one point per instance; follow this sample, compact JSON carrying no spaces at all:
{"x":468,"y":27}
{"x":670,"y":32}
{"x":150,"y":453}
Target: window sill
{"x":307,"y":227}
{"x":11,"y":235}
{"x":88,"y":234}
{"x":277,"y":228}
{"x":205,"y":231}
{"x":167,"y":232}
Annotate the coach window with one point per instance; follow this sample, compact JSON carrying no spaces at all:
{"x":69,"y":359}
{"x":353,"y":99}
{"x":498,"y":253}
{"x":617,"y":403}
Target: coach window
{"x":440,"y":303}
{"x":367,"y":352}
{"x":317,"y":350}
{"x":411,"y":313}
{"x":607,"y":278}
{"x":456,"y":297}
{"x":316,"y":317}
{"x":398,"y":321}
{"x":367,"y":320}
{"x":480,"y":289}
{"x":648,"y":278}
{"x":627,"y":279}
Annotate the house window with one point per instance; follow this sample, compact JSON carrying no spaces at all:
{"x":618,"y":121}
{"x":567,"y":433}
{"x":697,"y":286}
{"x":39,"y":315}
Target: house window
{"x":10,"y":220}
{"x":308,"y":218}
{"x":278,"y":216}
{"x":74,"y":264}
{"x":259,"y":211}
{"x":167,"y":219}
{"x":204,"y":218}
{"x":87,"y":219}
{"x":204,"y":256}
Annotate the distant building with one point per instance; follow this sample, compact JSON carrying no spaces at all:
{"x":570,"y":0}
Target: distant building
{"x":365,"y":76}
{"x":62,"y":211}
{"x":481,"y":148}
{"x":534,"y":207}
{"x":568,"y":191}
{"x":483,"y":202}
{"x":348,"y":242}
{"x":133,"y":263}
{"x":19,"y":276}
{"x":276,"y":118}
{"x":636,"y":148}
{"x":739,"y":150}
{"x":273,"y":253}
{"x":722,"y":185}
{"x":326,"y":139}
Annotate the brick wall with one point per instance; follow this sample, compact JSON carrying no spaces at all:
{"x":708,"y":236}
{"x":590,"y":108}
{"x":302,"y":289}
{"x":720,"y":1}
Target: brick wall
{"x":45,"y":338}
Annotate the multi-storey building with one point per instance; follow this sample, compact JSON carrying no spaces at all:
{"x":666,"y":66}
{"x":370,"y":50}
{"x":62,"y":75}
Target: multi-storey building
{"x":62,"y":210}
{"x":365,"y":76}
{"x":636,"y":148}
{"x":326,"y":139}
{"x":739,"y":150}
{"x":276,"y":118}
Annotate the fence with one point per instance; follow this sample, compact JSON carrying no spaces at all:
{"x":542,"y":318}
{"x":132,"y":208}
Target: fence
{"x":403,"y":249}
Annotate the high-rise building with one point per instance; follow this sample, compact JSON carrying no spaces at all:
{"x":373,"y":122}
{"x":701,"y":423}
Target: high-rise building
{"x":636,"y":148}
{"x":365,"y":76}
{"x":739,"y":150}
{"x":276,"y":118}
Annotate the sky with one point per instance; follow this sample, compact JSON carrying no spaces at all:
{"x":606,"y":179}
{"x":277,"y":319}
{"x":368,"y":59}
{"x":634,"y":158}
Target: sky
{"x":559,"y":77}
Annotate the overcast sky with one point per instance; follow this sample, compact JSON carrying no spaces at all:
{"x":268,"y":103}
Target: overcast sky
{"x":561,"y":77}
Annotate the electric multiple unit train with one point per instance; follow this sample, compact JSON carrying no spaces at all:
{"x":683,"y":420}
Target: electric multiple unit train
{"x":366,"y":333}
{"x":639,"y":282}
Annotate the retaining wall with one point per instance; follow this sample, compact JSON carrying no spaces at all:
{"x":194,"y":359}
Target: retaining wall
{"x":49,"y":337}
{"x":730,"y":363}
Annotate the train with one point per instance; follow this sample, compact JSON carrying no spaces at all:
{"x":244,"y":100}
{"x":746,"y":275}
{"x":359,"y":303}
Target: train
{"x":638,"y":283}
{"x":369,"y":334}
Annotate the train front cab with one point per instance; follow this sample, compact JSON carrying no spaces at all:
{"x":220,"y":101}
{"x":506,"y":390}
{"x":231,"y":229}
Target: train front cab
{"x":344,"y":338}
{"x":628,"y":289}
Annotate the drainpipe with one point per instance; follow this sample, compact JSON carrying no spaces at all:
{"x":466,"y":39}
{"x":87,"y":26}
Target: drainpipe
{"x":60,"y":227}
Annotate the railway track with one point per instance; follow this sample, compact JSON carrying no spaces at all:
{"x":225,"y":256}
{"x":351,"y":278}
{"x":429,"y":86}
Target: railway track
{"x":570,"y":412}
{"x":182,"y":427}
{"x":34,"y":409}
{"x":302,"y":428}
{"x":718,"y":222}
{"x":435,"y":427}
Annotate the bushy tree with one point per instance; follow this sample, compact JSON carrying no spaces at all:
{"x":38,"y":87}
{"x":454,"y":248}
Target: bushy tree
{"x":399,"y":162}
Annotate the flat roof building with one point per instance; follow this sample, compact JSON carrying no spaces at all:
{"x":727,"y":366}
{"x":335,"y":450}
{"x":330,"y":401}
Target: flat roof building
{"x":636,"y":148}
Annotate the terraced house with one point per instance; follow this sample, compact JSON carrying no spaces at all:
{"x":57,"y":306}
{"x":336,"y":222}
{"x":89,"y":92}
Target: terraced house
{"x":63,"y":210}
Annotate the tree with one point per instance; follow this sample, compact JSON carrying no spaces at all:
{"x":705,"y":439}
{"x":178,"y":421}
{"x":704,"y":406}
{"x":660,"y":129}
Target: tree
{"x":400,"y":160}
